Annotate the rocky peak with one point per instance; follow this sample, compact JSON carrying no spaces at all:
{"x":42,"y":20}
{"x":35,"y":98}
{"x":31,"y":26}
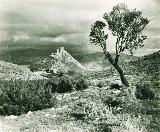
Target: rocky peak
{"x":64,"y":62}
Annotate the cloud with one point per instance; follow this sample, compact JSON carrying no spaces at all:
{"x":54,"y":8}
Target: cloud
{"x":57,"y":39}
{"x":66,"y":21}
{"x":21,"y":37}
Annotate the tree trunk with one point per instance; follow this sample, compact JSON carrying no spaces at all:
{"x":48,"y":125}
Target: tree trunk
{"x":123,"y":78}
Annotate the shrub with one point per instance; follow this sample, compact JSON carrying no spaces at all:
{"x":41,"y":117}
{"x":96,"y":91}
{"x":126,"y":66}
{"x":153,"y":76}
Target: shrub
{"x":18,"y":97}
{"x":100,"y":85}
{"x":52,"y":85}
{"x":112,"y":103}
{"x":103,"y":127}
{"x":81,"y":84}
{"x":64,"y":85}
{"x":143,"y":92}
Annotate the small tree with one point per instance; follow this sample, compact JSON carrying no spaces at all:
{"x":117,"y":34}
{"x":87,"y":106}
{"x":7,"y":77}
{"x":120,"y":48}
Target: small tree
{"x":127,"y":26}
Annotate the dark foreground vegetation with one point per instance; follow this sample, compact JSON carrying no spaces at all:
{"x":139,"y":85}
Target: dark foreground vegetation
{"x":18,"y":97}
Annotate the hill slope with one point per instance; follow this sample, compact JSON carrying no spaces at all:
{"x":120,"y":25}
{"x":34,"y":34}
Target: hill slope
{"x":9,"y":71}
{"x":99,"y":56}
{"x":149,"y":64}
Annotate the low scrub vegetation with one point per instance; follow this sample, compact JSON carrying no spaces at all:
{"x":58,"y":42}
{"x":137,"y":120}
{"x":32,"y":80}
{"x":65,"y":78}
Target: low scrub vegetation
{"x":66,"y":84}
{"x":19,"y":97}
{"x":144,"y":92}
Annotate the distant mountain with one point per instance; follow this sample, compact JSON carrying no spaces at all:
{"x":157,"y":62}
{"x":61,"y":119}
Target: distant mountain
{"x":28,"y":56}
{"x":9,"y":71}
{"x":149,"y":64}
{"x":99,"y":56}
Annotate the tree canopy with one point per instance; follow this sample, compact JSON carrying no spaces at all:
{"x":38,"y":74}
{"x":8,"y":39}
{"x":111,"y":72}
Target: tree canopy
{"x":126,"y":25}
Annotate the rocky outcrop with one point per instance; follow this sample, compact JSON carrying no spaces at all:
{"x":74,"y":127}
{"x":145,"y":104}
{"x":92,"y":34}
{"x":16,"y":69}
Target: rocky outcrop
{"x":64,"y":62}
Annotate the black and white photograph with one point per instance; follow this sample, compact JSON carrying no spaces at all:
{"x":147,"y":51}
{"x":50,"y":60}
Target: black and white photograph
{"x":79,"y":66}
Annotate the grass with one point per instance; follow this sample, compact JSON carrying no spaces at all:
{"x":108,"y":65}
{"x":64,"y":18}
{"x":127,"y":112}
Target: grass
{"x":66,"y":115}
{"x":85,"y":110}
{"x":18,"y":97}
{"x":60,"y":117}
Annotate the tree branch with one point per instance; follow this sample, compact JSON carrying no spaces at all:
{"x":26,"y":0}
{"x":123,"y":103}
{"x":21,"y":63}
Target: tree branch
{"x":107,"y":54}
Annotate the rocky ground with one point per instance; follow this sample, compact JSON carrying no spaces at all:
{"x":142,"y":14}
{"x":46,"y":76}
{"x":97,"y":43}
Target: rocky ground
{"x":80,"y":111}
{"x":90,"y":109}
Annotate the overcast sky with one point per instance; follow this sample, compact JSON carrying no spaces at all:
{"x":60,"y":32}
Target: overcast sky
{"x":66,"y":21}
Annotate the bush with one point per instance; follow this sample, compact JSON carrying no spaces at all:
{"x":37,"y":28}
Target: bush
{"x":112,"y":103}
{"x":52,"y":85}
{"x":64,"y":85}
{"x":100,"y":85}
{"x":103,"y":127}
{"x":81,"y":84}
{"x":143,"y":92}
{"x":18,"y":97}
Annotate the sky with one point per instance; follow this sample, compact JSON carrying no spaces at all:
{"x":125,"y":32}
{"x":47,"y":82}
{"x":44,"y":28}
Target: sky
{"x":27,"y":23}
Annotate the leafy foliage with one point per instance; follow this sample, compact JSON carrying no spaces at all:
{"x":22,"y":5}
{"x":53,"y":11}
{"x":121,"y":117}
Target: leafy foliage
{"x":19,"y":97}
{"x":143,"y":92}
{"x":81,"y":84}
{"x":148,"y":64}
{"x":126,"y":26}
{"x":66,"y":84}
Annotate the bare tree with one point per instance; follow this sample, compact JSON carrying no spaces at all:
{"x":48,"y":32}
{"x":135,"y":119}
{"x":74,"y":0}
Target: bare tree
{"x":127,"y":26}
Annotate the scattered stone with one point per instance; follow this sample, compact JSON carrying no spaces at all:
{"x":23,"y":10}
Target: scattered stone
{"x":119,"y":108}
{"x":47,"y":115}
{"x":30,"y":112}
{"x":11,"y":117}
{"x":53,"y":115}
{"x":116,"y":92}
{"x":117,"y":84}
{"x":52,"y":109}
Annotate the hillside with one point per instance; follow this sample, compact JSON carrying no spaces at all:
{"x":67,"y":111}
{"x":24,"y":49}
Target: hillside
{"x":9,"y":71}
{"x":149,"y":64}
{"x":89,"y":109}
{"x":99,"y":56}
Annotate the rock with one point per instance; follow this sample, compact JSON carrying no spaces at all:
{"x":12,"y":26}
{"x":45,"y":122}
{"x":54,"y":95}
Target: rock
{"x":119,"y":108}
{"x":47,"y":115}
{"x":53,"y":109}
{"x":53,"y":116}
{"x":116,"y":92}
{"x":64,"y":62}
{"x":29,"y":113}
{"x":11,"y":117}
{"x":117,"y":84}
